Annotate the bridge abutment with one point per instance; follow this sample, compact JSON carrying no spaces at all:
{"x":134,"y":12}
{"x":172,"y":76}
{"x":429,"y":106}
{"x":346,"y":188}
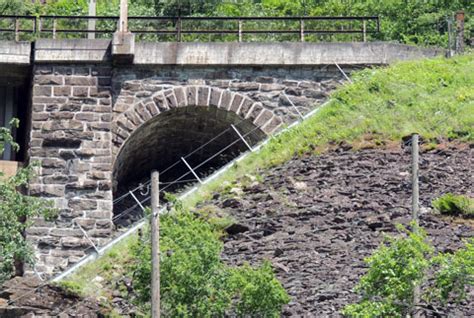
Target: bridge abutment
{"x":97,"y":127}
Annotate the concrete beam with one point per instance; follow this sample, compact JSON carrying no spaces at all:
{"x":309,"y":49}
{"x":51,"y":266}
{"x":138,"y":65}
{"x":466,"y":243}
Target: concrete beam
{"x":284,"y":53}
{"x":17,"y":53}
{"x":226,"y":54}
{"x":72,"y":51}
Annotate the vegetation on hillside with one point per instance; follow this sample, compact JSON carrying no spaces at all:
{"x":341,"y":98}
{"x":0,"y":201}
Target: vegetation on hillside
{"x":414,"y":22}
{"x":431,"y":97}
{"x":401,"y":264}
{"x":16,"y":211}
{"x":194,"y":281}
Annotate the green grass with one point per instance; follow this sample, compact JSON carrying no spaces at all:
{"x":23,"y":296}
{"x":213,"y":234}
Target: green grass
{"x":455,"y":205}
{"x":431,"y":97}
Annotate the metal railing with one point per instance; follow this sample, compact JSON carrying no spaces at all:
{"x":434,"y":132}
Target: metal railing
{"x":191,"y":28}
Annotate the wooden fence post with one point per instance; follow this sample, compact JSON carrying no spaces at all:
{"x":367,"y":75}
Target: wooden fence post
{"x":155,"y":244}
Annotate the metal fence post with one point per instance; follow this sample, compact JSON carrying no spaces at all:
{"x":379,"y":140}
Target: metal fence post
{"x":240,"y":30}
{"x":54,"y":28}
{"x":301,"y":30}
{"x":17,"y":29}
{"x":91,"y":22}
{"x":364,"y":30}
{"x":178,"y":29}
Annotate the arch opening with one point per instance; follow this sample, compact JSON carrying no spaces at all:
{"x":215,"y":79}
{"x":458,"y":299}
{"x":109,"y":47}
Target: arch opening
{"x":197,"y":134}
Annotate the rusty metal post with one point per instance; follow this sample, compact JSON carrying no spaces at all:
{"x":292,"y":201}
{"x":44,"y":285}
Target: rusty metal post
{"x":460,"y":32}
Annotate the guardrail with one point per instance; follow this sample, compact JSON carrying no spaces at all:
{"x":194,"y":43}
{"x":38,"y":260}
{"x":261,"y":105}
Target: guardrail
{"x":192,"y":28}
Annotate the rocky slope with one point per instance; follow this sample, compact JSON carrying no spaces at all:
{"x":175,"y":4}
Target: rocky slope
{"x":317,"y":217}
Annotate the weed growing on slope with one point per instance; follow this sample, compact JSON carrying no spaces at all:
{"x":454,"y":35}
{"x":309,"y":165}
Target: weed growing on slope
{"x":455,"y":205}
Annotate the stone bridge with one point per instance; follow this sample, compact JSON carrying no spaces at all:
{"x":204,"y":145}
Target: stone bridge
{"x":97,"y":125}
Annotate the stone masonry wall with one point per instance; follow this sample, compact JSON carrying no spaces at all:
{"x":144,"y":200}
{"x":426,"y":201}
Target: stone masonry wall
{"x":83,"y":114}
{"x":71,"y":142}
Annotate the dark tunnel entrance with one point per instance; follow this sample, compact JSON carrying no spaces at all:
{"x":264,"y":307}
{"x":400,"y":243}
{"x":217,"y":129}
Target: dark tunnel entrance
{"x":203,"y":136}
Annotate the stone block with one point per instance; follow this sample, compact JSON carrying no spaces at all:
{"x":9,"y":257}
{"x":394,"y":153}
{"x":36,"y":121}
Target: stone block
{"x":203,"y":96}
{"x":171,"y":100}
{"x":106,"y":215}
{"x":75,"y":242}
{"x":62,"y":90}
{"x":86,"y":224}
{"x":81,"y":81}
{"x":238,"y":99}
{"x":160,"y":103}
{"x":43,"y":91}
{"x":263,"y":118}
{"x":80,"y":91}
{"x":180,"y":97}
{"x":66,"y":232}
{"x":39,"y":231}
{"x":215,"y":97}
{"x":191,"y":95}
{"x":49,"y":80}
{"x":226,"y":99}
{"x":82,"y":204}
{"x":273,"y":125}
{"x":254,"y":112}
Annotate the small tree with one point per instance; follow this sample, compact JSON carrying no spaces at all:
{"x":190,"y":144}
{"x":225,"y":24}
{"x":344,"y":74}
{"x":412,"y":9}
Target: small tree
{"x":402,"y":263}
{"x":16,"y":209}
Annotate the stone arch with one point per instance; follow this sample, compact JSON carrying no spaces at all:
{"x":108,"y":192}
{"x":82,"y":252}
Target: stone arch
{"x":147,"y":102}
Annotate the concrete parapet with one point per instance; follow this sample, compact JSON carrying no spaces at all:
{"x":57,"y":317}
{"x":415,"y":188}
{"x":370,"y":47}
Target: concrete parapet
{"x":12,"y":52}
{"x":229,"y":53}
{"x":72,"y":51}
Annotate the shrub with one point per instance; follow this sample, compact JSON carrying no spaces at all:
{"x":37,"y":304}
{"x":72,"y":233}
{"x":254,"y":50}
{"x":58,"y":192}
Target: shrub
{"x":451,"y":204}
{"x":455,"y":272}
{"x":194,"y":281}
{"x":16,"y":210}
{"x":395,"y":268}
{"x":402,"y":263}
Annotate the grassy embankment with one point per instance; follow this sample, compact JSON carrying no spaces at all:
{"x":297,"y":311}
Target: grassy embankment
{"x":434,"y":98}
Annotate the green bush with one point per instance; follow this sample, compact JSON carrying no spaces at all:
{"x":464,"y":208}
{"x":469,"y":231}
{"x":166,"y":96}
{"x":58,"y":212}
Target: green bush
{"x":451,"y":204}
{"x":395,"y":268}
{"x":402,"y":263}
{"x":455,"y":272}
{"x":16,"y":211}
{"x":194,"y":281}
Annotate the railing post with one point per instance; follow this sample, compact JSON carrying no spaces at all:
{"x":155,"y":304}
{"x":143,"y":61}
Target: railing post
{"x":364,"y":30}
{"x":240,"y":30}
{"x":91,"y":22}
{"x":38,"y":30}
{"x":178,"y":29}
{"x":301,"y":30}
{"x":17,"y":29}
{"x":459,"y":32}
{"x":54,"y":28}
